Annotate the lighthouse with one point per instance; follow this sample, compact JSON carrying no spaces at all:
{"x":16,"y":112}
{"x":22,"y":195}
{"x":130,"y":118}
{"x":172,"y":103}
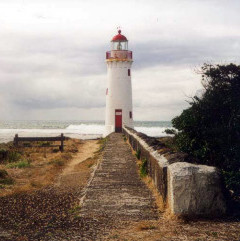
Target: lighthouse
{"x":119,"y":86}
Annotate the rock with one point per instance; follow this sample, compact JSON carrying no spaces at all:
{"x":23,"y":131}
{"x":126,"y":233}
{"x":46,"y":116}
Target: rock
{"x":195,"y":190}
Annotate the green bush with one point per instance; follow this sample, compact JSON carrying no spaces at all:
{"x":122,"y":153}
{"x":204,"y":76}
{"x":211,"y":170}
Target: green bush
{"x":55,"y":150}
{"x":14,"y":156}
{"x":3,"y":173}
{"x":19,"y":164}
{"x":5,"y":179}
{"x":3,"y":153}
{"x":210,"y":128}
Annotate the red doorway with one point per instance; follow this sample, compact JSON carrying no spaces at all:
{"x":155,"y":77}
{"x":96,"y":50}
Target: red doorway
{"x":118,"y":120}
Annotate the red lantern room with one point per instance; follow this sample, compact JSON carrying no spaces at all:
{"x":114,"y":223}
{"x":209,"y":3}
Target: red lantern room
{"x":119,"y":42}
{"x":119,"y":49}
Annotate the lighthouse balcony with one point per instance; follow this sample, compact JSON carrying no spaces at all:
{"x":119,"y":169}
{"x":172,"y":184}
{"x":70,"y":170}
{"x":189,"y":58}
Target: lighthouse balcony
{"x":119,"y":55}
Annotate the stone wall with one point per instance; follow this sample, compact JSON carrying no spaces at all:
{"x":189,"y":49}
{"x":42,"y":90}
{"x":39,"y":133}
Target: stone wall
{"x":187,"y":189}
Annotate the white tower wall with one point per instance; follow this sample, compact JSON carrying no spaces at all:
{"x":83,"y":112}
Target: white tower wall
{"x":119,"y":94}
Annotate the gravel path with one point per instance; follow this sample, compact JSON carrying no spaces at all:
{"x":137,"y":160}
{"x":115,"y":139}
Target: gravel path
{"x":116,"y":190}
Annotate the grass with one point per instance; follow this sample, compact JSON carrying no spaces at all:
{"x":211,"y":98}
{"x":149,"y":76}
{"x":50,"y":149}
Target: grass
{"x":45,"y":143}
{"x":146,"y":226}
{"x":143,"y":168}
{"x":75,"y":209}
{"x":102,"y":143}
{"x":57,"y":162}
{"x":13,"y":156}
{"x":138,"y":154}
{"x":55,"y":150}
{"x":90,"y":165}
{"x":19,"y":164}
{"x":5,"y":179}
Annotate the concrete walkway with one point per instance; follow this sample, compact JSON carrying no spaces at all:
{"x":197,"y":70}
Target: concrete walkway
{"x":116,"y":190}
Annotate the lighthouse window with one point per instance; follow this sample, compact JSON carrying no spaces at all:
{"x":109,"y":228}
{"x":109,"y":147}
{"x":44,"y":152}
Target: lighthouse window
{"x":129,"y":72}
{"x":130,"y":114}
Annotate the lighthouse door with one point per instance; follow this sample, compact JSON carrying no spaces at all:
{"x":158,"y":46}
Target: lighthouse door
{"x":118,"y":120}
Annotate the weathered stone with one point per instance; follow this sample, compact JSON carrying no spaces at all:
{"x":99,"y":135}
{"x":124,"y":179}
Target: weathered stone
{"x":195,"y":190}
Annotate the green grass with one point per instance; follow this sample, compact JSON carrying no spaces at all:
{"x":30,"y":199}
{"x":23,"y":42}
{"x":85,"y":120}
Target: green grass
{"x":19,"y":164}
{"x":44,"y":143}
{"x":3,"y":173}
{"x":138,"y":154}
{"x":75,"y":209}
{"x":143,"y":168}
{"x":102,"y":143}
{"x":14,"y":156}
{"x":5,"y":179}
{"x":90,"y":165}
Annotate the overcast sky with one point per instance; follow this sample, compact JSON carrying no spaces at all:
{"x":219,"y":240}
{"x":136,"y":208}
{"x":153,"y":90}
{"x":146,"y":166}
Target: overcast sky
{"x":52,"y":54}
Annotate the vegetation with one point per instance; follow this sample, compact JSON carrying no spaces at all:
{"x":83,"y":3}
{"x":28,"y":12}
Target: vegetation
{"x":210,"y":128}
{"x":138,"y":154}
{"x":13,"y":156}
{"x":19,"y":164}
{"x":143,"y":168}
{"x":5,"y":179}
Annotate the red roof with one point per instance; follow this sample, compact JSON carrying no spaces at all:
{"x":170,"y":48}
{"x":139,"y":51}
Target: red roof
{"x":119,"y":37}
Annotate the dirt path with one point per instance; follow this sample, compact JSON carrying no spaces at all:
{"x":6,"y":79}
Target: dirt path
{"x":71,"y":173}
{"x":86,"y":151}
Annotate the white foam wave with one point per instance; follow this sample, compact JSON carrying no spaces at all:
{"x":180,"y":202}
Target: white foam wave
{"x":87,"y":129}
{"x":82,"y":131}
{"x":152,"y":131}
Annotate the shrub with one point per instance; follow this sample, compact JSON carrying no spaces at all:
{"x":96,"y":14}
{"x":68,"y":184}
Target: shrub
{"x":5,"y":179}
{"x":3,"y":153}
{"x":55,"y":150}
{"x":3,"y":173}
{"x":210,"y":128}
{"x":14,"y":156}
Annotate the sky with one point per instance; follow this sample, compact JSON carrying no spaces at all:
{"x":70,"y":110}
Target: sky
{"x":52,"y":54}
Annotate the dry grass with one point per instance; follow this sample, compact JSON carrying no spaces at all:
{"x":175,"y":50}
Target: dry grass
{"x":163,"y":230}
{"x":45,"y":165}
{"x":169,"y":227}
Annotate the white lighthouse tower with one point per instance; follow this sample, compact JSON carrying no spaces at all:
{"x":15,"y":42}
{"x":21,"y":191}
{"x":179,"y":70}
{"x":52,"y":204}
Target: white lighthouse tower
{"x":119,"y":86}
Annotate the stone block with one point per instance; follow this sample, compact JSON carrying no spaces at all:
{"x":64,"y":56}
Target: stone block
{"x":195,"y":190}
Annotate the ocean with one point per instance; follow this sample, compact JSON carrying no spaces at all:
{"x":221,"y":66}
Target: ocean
{"x":74,"y":129}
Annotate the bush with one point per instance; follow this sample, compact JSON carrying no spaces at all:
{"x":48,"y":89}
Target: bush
{"x":210,"y":129}
{"x":55,"y":150}
{"x":13,"y":156}
{"x":3,"y":173}
{"x":138,"y":154}
{"x":3,"y":153}
{"x":5,"y":179}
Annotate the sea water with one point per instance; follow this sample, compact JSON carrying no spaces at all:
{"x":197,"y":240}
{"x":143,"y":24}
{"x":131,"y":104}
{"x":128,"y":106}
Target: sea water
{"x":74,"y":129}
